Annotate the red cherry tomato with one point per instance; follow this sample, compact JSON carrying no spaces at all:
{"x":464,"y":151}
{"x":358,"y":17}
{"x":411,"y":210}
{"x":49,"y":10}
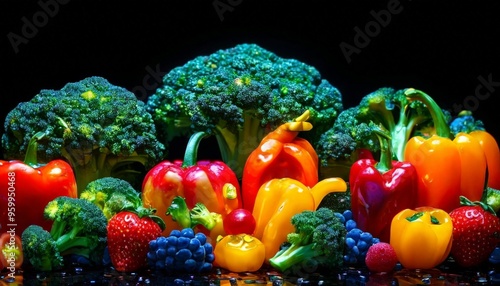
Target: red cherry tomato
{"x":11,"y":250}
{"x":239,"y":221}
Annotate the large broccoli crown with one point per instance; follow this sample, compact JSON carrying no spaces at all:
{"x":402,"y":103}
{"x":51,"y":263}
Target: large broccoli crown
{"x":242,"y":93}
{"x":85,"y":122}
{"x":88,"y":115}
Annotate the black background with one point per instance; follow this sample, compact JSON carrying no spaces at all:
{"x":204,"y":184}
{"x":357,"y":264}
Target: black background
{"x":440,"y":47}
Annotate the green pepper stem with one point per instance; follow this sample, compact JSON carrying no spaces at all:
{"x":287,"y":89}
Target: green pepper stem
{"x":438,"y":117}
{"x":191,"y":153}
{"x":31,"y":157}
{"x":385,"y":162}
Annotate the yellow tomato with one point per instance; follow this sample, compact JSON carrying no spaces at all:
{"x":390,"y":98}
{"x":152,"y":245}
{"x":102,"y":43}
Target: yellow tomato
{"x":239,"y":253}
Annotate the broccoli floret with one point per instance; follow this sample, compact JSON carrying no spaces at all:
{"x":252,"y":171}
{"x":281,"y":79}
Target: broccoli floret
{"x":190,"y":218}
{"x":40,"y":249}
{"x":180,"y":212}
{"x":78,"y":227}
{"x":319,"y":235}
{"x":239,"y":95}
{"x":101,"y":129}
{"x":200,"y":215}
{"x":465,"y":122}
{"x":112,"y":195}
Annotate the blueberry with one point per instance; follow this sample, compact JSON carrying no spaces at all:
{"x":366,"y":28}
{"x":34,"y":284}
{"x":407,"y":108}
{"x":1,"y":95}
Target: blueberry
{"x":160,"y":264}
{"x":161,"y":242}
{"x":362,"y":245}
{"x":194,"y":244}
{"x":151,"y":255}
{"x":201,"y":237}
{"x":199,"y":254}
{"x":350,"y":242}
{"x":176,"y":233}
{"x":207,"y":267}
{"x":183,"y":255}
{"x":208,"y":248}
{"x":354,"y":233}
{"x":172,"y":240}
{"x":171,"y":250}
{"x":190,"y":265}
{"x":340,"y":217}
{"x":169,"y":262}
{"x":161,"y":253}
{"x":153,"y":245}
{"x":350,"y":224}
{"x":347,"y":214}
{"x":183,"y":242}
{"x":210,"y":258}
{"x":366,"y":237}
{"x":187,"y":232}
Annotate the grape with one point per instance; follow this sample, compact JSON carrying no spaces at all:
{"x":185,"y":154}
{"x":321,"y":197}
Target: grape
{"x":357,"y":241}
{"x":181,"y":251}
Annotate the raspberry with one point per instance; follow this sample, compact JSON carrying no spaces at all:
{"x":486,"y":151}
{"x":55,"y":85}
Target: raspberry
{"x":381,"y":257}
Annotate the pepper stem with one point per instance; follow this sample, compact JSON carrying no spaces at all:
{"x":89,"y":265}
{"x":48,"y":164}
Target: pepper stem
{"x":31,"y":157}
{"x":191,"y":153}
{"x":440,"y":124}
{"x":385,"y":162}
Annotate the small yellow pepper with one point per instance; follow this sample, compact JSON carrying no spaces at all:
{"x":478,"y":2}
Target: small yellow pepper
{"x":239,"y":253}
{"x":422,"y":237}
{"x":279,"y":199}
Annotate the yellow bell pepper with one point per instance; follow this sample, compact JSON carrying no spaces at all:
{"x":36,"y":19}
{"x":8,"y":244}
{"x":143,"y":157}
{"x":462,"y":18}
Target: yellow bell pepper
{"x":239,"y":253}
{"x":279,"y":199}
{"x":422,"y":237}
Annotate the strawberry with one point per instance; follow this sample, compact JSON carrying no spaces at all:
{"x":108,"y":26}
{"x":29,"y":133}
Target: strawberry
{"x":128,"y":239}
{"x":476,"y":232}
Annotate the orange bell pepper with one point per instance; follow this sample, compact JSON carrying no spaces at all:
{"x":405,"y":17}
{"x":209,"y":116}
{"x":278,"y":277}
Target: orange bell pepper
{"x":279,"y":199}
{"x":447,"y":168}
{"x":281,"y":154}
{"x":422,"y":238}
{"x":492,"y":152}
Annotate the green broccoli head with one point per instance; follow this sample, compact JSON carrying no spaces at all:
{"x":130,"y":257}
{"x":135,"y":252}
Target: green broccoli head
{"x":40,"y":249}
{"x":101,"y":129}
{"x":112,"y":195}
{"x":319,"y":237}
{"x":239,"y":95}
{"x":79,"y":227}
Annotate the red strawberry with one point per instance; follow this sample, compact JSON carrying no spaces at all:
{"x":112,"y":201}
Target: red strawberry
{"x":476,"y":232}
{"x":128,"y":240}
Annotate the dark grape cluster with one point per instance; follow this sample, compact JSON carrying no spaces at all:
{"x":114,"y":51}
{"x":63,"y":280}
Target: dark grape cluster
{"x":357,"y":241}
{"x":181,"y":251}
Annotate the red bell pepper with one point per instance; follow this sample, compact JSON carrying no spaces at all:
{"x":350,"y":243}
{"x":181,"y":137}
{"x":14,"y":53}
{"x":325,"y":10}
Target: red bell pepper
{"x":380,"y":190}
{"x":27,"y":187}
{"x":280,"y":154}
{"x":212,"y":183}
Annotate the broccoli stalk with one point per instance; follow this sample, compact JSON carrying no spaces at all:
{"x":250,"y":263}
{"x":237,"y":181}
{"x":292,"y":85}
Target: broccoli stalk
{"x":319,"y":236}
{"x":180,"y":212}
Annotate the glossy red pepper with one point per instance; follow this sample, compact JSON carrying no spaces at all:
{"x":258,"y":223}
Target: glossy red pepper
{"x":212,"y":183}
{"x":380,"y":190}
{"x":27,"y":187}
